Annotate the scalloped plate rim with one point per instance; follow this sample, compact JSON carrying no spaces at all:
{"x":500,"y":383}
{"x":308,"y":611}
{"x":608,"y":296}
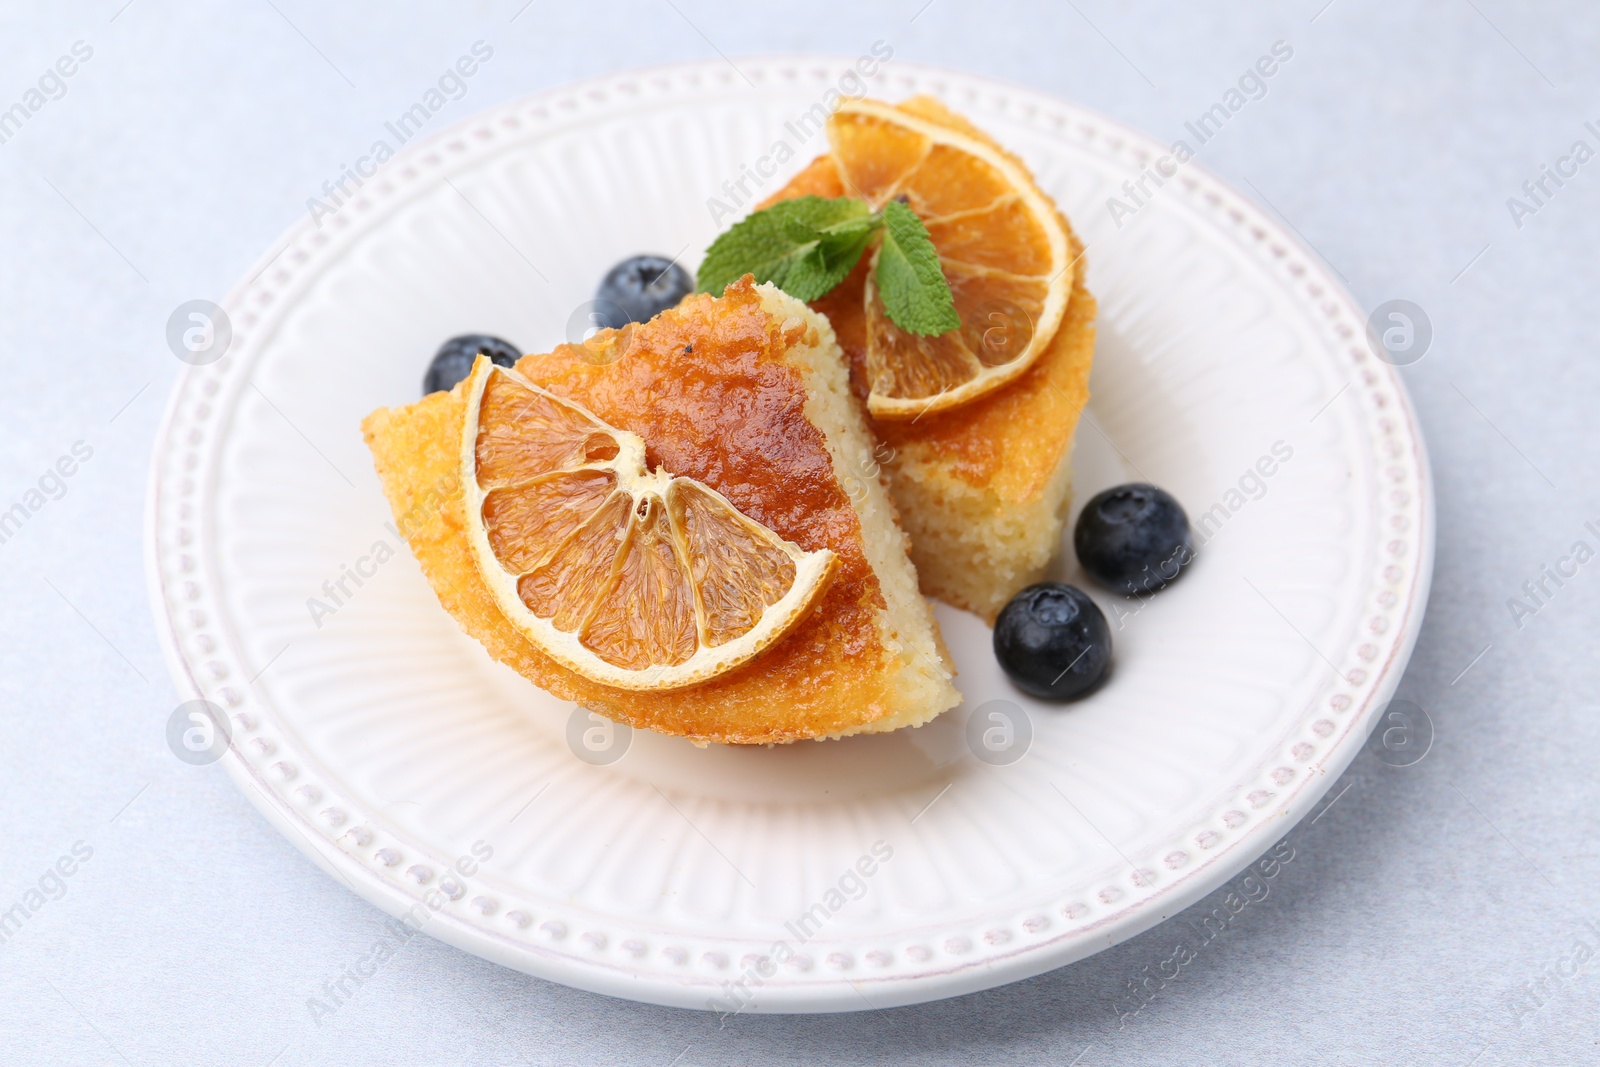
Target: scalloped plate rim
{"x":934,"y":982}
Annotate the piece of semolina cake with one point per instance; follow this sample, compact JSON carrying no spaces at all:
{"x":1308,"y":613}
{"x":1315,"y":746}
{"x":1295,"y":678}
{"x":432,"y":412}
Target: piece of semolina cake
{"x":748,"y":394}
{"x":982,"y":489}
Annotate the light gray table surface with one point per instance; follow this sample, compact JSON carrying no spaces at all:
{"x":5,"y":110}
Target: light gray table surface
{"x":1435,"y":914}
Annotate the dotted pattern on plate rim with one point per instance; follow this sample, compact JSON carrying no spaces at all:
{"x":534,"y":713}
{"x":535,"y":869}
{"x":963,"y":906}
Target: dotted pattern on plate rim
{"x":1400,"y":511}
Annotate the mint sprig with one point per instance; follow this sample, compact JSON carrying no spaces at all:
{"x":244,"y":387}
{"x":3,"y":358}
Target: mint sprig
{"x":806,"y":247}
{"x":910,"y":282}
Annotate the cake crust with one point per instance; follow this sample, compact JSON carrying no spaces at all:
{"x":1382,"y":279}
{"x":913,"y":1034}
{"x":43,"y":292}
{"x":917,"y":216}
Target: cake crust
{"x":982,"y":489}
{"x":726,"y":391}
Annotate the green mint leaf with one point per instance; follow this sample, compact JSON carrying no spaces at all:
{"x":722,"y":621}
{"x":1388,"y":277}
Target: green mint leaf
{"x":833,"y":253}
{"x":913,"y":288}
{"x":804,"y":246}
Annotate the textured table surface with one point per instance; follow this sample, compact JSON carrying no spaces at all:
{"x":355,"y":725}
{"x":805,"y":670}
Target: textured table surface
{"x":1441,"y":913}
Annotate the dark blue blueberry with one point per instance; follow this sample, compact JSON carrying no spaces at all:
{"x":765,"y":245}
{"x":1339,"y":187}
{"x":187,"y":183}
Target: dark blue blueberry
{"x":1133,"y":539}
{"x":1053,"y":641}
{"x":454,"y":359}
{"x":641,"y":288}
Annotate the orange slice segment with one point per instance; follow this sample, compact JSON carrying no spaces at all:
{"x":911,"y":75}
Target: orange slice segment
{"x":633,"y":578}
{"x":1002,"y":245}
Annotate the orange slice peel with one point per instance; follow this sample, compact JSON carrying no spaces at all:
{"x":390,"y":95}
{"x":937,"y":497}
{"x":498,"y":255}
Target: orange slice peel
{"x":1002,"y":246}
{"x":632,"y":577}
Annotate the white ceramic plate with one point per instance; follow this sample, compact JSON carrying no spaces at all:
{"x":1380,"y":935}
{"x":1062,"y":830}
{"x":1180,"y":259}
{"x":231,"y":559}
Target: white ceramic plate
{"x":390,"y":748}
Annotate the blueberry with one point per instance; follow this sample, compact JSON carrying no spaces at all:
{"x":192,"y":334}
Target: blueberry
{"x":453,"y":361}
{"x":641,"y":288}
{"x":1133,"y":538}
{"x":1053,"y":641}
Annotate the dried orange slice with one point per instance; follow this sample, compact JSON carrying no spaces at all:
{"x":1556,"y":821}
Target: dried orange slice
{"x":633,"y":578}
{"x":1003,"y":247}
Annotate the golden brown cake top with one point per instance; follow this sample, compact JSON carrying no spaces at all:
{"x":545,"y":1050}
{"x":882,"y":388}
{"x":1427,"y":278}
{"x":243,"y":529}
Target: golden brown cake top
{"x":707,"y":386}
{"x":1009,"y":441}
{"x":711,"y":390}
